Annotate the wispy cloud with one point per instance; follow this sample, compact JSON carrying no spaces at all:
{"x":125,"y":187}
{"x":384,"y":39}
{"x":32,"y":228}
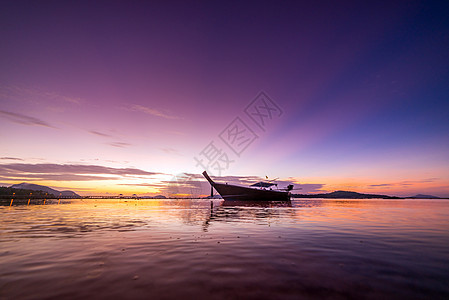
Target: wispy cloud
{"x":169,"y":150}
{"x":55,"y":177}
{"x":305,"y":188}
{"x":143,"y":184}
{"x":21,"y":93}
{"x":174,"y":132}
{"x":153,"y":112}
{"x":119,"y":144}
{"x":117,"y":161}
{"x":10,"y":158}
{"x":67,"y":172}
{"x":52,"y":95}
{"x":24,"y":119}
{"x":405,"y":183}
{"x":94,"y":132}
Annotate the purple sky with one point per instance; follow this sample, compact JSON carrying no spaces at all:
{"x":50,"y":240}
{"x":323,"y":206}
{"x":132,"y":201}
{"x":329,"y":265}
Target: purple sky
{"x":89,"y":89}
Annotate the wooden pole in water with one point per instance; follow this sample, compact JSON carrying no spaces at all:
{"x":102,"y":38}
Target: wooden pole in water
{"x":10,"y":204}
{"x":29,"y":199}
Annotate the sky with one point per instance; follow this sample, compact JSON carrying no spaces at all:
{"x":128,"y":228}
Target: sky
{"x":108,"y":97}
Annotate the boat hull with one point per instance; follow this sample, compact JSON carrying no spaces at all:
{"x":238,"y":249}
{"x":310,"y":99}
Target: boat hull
{"x":239,"y":193}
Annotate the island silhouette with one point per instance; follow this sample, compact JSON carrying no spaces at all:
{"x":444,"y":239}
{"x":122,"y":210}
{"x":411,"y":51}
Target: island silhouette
{"x":27,"y":190}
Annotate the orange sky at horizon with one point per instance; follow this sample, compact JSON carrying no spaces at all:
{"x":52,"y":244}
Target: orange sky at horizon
{"x":164,"y":186}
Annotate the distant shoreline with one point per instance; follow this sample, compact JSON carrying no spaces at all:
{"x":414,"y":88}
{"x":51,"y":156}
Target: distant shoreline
{"x":9,"y":193}
{"x":355,"y":195}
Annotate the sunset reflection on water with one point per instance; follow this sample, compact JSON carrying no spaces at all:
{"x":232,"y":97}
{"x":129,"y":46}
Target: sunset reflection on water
{"x":191,"y":249}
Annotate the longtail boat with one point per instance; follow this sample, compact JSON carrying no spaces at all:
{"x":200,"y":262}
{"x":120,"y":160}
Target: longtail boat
{"x":261,"y":191}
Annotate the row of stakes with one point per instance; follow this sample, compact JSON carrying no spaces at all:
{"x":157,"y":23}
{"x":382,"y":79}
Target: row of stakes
{"x":12,"y":199}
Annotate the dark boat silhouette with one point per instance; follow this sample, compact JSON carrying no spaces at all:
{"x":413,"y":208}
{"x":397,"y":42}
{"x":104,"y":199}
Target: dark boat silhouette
{"x":258,"y":192}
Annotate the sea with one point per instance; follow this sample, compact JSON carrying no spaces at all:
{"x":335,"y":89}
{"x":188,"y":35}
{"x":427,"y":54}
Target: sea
{"x":215,"y":249}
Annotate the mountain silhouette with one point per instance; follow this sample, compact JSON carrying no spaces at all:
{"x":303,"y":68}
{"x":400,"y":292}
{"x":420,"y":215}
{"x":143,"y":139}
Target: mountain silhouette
{"x":421,"y":196}
{"x":46,"y":189}
{"x":344,"y":195}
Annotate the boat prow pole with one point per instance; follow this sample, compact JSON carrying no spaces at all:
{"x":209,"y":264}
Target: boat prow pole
{"x":212,"y":183}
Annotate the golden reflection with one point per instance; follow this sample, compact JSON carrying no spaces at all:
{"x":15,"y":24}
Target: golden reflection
{"x":264,"y":212}
{"x":178,"y":213}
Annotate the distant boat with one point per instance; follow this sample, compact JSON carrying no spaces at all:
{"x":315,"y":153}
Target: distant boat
{"x":260,"y":191}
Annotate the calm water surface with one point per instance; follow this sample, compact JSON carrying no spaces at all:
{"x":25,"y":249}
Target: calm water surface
{"x":184,"y":249}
